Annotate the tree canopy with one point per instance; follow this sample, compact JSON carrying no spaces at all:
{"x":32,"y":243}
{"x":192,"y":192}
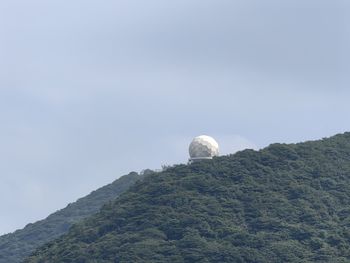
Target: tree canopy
{"x":284,"y":203}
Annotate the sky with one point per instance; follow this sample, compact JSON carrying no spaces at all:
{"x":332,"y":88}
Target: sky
{"x":91,"y":90}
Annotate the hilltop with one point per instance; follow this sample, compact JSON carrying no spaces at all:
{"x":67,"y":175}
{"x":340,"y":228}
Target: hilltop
{"x":16,"y":246}
{"x":284,"y":203}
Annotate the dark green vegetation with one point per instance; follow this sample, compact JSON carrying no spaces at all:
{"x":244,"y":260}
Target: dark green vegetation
{"x":16,"y":246}
{"x":285,"y":203}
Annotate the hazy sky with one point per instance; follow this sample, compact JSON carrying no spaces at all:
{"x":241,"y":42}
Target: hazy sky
{"x":90,"y":90}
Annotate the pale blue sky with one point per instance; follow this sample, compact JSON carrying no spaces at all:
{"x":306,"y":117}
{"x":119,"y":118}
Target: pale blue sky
{"x":90,"y":90}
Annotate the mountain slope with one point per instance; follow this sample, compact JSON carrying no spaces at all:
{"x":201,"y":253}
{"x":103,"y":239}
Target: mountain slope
{"x":16,"y":246}
{"x":285,"y":203}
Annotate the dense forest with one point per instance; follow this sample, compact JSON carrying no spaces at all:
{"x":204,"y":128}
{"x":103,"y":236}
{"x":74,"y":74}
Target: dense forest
{"x":284,"y":203}
{"x":20,"y":244}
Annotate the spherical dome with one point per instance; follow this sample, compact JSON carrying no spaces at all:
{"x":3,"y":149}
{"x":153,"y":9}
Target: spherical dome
{"x":203,"y":147}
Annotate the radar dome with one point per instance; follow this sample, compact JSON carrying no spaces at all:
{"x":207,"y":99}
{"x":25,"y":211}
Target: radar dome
{"x":203,"y":147}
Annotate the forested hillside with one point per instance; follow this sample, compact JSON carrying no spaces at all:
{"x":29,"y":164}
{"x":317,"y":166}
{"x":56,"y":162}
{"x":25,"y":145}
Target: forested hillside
{"x":16,"y":246}
{"x":285,"y":203}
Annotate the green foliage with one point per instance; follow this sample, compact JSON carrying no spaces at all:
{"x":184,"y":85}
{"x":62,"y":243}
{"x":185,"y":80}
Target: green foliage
{"x":20,"y":244}
{"x":285,"y":203}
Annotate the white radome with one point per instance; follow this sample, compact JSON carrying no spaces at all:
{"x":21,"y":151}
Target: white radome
{"x":203,"y":147}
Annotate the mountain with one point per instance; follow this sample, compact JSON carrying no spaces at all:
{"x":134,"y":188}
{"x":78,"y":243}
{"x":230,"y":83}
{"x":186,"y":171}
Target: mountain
{"x":20,"y":244}
{"x":284,"y":203}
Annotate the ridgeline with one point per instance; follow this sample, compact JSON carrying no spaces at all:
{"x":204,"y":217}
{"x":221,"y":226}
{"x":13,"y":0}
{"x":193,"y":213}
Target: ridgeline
{"x":16,"y":246}
{"x":285,"y":203}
